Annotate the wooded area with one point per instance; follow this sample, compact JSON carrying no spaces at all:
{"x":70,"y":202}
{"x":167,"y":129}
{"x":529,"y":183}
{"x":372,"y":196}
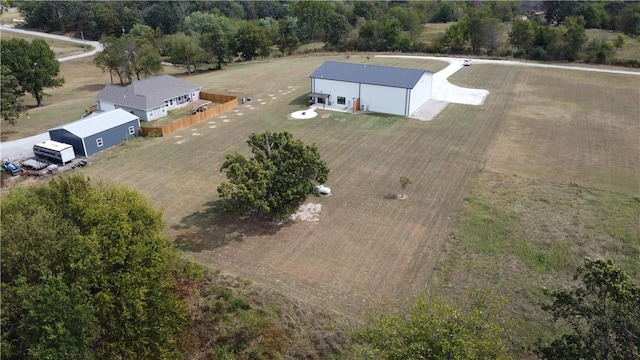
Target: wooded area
{"x":204,"y":34}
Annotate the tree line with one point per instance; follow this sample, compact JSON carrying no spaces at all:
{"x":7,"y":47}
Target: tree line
{"x":213,"y":33}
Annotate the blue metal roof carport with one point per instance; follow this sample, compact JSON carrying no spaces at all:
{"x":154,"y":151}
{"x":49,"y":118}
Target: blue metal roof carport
{"x":97,"y":132}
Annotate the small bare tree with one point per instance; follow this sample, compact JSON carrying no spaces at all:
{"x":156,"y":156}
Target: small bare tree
{"x":404,"y":182}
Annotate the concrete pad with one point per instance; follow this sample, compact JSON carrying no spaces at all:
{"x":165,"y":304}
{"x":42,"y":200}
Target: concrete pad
{"x":304,"y":114}
{"x":429,"y":110}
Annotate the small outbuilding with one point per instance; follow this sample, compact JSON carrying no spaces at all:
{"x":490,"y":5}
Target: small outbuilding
{"x":98,"y":131}
{"x":364,"y":87}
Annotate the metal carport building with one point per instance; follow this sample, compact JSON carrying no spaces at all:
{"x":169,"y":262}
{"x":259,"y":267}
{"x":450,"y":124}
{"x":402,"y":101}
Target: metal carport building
{"x":98,"y":131}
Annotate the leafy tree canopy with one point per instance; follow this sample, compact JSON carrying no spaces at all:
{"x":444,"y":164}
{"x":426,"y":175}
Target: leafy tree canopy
{"x":87,"y":273}
{"x":12,"y":105}
{"x":34,"y":65}
{"x":129,"y":56}
{"x":252,"y":41}
{"x":601,"y":315}
{"x":276,"y":180}
{"x":433,"y":329}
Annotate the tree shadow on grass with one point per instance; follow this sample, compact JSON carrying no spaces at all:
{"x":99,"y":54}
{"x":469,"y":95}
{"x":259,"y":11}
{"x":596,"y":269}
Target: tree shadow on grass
{"x":302,"y":100}
{"x":93,"y":87}
{"x":214,"y":227}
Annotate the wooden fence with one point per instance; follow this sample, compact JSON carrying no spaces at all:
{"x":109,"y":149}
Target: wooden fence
{"x":225,"y":102}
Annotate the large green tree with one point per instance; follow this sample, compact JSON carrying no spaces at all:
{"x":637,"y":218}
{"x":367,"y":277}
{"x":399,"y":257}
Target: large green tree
{"x":33,"y":64}
{"x":276,"y":180}
{"x":434,"y":329}
{"x":575,"y":37}
{"x":336,"y":30}
{"x":12,"y":105}
{"x":87,"y":273}
{"x":186,"y":51}
{"x":129,"y":57}
{"x":252,"y":41}
{"x":311,"y":14}
{"x":522,"y":34}
{"x":600,"y":317}
{"x":629,"y":19}
{"x":165,"y":16}
{"x":287,"y":37}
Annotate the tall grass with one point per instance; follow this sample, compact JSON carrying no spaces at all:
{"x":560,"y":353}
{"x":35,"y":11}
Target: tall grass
{"x":519,"y":235}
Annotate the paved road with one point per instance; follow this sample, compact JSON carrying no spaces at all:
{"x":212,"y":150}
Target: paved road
{"x":452,"y":60}
{"x":97,"y":47}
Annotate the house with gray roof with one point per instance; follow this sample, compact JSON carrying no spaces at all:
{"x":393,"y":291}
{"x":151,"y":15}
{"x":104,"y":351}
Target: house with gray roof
{"x":365,"y":87}
{"x":150,"y":98}
{"x":98,"y":131}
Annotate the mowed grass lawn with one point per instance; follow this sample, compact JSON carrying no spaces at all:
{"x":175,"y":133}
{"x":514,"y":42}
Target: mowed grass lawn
{"x":365,"y":248}
{"x":491,"y":204}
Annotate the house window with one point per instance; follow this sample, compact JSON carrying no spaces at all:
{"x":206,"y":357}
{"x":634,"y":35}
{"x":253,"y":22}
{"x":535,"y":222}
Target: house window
{"x":163,"y":110}
{"x":99,"y":142}
{"x":341,"y":100}
{"x":132,"y":130}
{"x":151,"y":113}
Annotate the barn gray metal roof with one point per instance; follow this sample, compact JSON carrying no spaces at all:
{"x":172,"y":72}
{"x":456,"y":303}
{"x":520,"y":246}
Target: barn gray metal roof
{"x":98,"y":122}
{"x":369,"y":74}
{"x":146,"y":94}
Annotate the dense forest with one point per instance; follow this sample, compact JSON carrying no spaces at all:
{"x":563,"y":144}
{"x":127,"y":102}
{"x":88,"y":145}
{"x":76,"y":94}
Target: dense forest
{"x":212,"y":33}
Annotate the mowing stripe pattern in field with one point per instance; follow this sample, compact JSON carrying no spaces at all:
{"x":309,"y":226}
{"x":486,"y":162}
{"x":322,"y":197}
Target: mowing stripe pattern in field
{"x":580,"y":130}
{"x":366,"y":247}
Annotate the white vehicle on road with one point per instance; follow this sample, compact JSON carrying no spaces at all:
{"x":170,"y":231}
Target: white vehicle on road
{"x":466,"y":62}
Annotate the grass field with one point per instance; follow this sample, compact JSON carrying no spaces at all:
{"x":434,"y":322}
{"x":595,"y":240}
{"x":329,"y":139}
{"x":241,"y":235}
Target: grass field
{"x":630,"y":50}
{"x":509,"y":195}
{"x":368,"y":248}
{"x":8,"y":17}
{"x":433,"y":31}
{"x":561,"y":181}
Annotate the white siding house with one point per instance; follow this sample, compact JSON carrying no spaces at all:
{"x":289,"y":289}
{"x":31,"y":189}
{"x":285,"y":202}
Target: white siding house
{"x":150,"y":98}
{"x":383,"y":89}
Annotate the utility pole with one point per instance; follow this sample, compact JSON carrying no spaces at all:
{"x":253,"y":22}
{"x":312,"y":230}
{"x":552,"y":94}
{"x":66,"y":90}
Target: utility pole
{"x":84,"y":46}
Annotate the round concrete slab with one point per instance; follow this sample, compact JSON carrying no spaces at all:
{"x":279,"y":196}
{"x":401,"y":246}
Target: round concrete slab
{"x":304,"y":114}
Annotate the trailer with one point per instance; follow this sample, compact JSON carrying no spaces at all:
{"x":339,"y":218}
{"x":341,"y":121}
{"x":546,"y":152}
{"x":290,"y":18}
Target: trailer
{"x":56,"y":151}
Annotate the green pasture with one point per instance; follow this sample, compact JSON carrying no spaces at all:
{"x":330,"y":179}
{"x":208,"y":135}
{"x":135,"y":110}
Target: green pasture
{"x":509,"y":195}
